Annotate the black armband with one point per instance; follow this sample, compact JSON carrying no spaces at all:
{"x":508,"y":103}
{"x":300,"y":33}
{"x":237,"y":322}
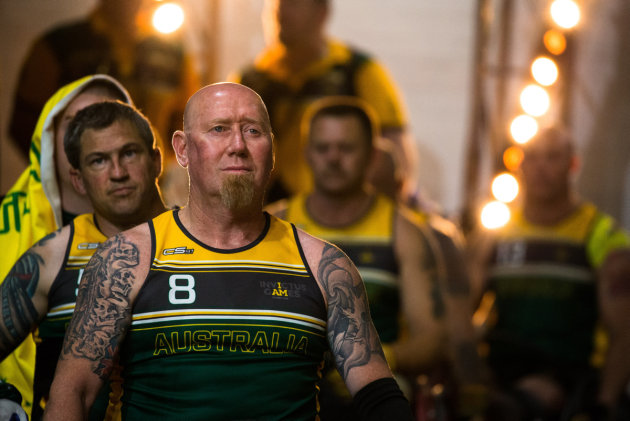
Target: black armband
{"x":382,"y":400}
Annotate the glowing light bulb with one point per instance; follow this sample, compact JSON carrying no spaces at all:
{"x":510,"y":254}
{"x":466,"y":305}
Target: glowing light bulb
{"x":565,"y":13}
{"x":512,"y":158}
{"x":505,"y":187}
{"x":168,"y":18}
{"x":545,"y":71}
{"x":535,"y":100}
{"x":555,"y":42}
{"x":523,"y":128}
{"x":495,"y":215}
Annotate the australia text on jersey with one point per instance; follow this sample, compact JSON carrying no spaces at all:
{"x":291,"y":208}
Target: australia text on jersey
{"x":242,"y":341}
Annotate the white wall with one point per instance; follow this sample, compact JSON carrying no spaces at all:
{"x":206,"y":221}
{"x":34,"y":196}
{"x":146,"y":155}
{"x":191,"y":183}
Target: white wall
{"x":427,"y":46}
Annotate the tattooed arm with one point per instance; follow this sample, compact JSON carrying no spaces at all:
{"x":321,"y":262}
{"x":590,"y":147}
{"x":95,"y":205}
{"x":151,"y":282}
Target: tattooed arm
{"x":353,"y":340}
{"x":421,"y":297}
{"x":102,"y":316}
{"x":24,"y":292}
{"x":469,"y":369}
{"x":614,"y":305}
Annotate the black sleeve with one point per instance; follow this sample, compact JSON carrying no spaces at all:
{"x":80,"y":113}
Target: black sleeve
{"x":382,"y":400}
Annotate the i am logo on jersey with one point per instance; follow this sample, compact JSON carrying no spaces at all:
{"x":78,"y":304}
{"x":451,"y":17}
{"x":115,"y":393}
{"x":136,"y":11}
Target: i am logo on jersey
{"x":279,"y":291}
{"x":282,"y":290}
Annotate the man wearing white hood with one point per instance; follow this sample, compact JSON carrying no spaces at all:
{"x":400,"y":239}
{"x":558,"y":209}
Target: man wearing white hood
{"x":43,"y":200}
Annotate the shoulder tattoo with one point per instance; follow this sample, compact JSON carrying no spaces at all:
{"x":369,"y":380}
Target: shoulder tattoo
{"x":434,"y":273}
{"x":103,"y":308}
{"x":18,"y":314}
{"x":350,"y":332}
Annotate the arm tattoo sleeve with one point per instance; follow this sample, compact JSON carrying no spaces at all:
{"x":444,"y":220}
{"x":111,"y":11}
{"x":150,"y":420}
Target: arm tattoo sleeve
{"x":350,"y":333}
{"x":468,"y":361}
{"x":18,"y":315}
{"x":429,"y":263}
{"x":457,"y":282}
{"x":101,"y":316}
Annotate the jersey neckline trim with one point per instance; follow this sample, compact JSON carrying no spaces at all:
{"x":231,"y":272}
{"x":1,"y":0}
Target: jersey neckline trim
{"x":253,"y":244}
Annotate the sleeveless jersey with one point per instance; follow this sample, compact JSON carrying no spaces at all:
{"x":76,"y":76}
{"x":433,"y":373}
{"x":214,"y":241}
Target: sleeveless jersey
{"x":545,"y":285}
{"x":224,"y":334}
{"x":369,"y":244}
{"x":85,"y":237}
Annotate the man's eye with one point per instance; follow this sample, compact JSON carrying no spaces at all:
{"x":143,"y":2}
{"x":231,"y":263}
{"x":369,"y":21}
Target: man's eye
{"x":218,"y":129}
{"x":347,"y":148}
{"x":97,"y":161}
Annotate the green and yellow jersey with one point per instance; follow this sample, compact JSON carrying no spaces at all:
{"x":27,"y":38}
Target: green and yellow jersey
{"x":85,"y":237}
{"x":369,"y":244}
{"x":544,"y":280}
{"x":224,"y":334}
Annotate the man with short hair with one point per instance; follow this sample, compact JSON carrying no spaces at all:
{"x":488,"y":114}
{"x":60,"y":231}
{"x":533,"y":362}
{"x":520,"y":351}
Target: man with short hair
{"x":220,"y":310}
{"x":115,"y":163}
{"x":397,"y":258}
{"x":551,"y":278}
{"x":115,"y":37}
{"x":43,"y":200}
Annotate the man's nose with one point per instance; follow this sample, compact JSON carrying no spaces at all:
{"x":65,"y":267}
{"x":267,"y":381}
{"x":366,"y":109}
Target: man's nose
{"x":118,"y":169}
{"x":333,"y":154}
{"x":237,"y":142}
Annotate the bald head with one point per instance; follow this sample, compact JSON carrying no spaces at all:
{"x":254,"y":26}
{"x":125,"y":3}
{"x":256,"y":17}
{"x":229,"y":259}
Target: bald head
{"x":226,"y":137}
{"x":551,"y":137}
{"x":210,"y":96}
{"x":548,"y":163}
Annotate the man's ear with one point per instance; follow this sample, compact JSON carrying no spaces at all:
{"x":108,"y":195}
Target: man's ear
{"x":382,"y":169}
{"x":77,"y":181}
{"x":575,"y":164}
{"x":180,"y":146}
{"x":156,"y":156}
{"x":273,"y":151}
{"x":306,"y":154}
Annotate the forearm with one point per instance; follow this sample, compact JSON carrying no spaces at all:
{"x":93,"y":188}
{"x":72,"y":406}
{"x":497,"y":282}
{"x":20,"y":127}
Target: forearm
{"x":615,"y":373}
{"x":614,"y":302}
{"x":69,"y":408}
{"x":463,"y":343}
{"x":68,"y":400}
{"x":412,"y":355}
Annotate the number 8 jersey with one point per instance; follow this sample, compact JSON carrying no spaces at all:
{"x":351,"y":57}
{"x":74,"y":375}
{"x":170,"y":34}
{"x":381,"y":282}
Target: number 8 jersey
{"x":224,"y":334}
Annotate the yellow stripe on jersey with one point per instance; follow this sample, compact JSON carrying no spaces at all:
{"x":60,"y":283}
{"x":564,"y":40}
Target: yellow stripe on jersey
{"x":60,"y":310}
{"x":182,"y":251}
{"x":210,"y":265}
{"x":375,"y":227}
{"x":85,"y":232}
{"x":74,"y":261}
{"x":575,"y":228}
{"x":229,"y":314}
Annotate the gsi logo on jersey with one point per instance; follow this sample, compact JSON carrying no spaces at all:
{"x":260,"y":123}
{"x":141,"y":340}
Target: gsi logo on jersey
{"x":177,"y":250}
{"x":88,"y":246}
